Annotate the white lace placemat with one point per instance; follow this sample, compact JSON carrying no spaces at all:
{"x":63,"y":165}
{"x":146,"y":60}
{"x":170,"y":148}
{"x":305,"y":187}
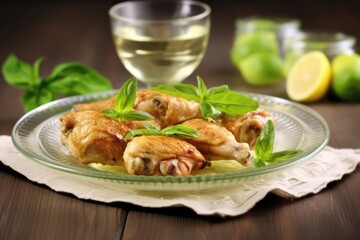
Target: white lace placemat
{"x":309,"y":177}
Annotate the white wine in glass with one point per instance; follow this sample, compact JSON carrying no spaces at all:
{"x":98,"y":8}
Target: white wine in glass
{"x":161,"y":42}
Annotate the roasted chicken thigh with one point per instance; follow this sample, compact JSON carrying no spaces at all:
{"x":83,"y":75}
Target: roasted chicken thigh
{"x":92,"y":137}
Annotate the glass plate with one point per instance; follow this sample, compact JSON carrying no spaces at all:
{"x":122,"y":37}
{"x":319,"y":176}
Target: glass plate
{"x":37,"y":136}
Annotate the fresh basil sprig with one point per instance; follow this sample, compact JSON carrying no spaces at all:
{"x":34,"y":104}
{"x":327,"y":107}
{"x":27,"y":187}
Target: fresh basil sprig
{"x":124,"y":104}
{"x":264,"y":147}
{"x":178,"y":131}
{"x":67,"y":79}
{"x":213,"y":101}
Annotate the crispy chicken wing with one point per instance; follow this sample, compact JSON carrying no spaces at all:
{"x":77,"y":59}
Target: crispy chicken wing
{"x":216,"y":142}
{"x":247,"y":127}
{"x":161,"y":155}
{"x":92,"y":137}
{"x":168,"y":110}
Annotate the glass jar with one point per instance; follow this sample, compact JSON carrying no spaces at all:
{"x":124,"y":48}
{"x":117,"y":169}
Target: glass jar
{"x":281,"y":27}
{"x":258,"y":48}
{"x":331,"y":44}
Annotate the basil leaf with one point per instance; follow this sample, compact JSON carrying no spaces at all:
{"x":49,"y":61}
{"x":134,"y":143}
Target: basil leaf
{"x":264,"y":148}
{"x":212,"y":101}
{"x":133,"y":115}
{"x":283,"y":155}
{"x":150,"y":126}
{"x":124,"y":104}
{"x":127,"y":94}
{"x":208,"y":110}
{"x":218,"y":89}
{"x":110,"y":112}
{"x":20,"y":74}
{"x":232,"y":103}
{"x":186,"y":91}
{"x":142,"y":132}
{"x":66,"y":79}
{"x":32,"y":99}
{"x":258,"y":163}
{"x":202,"y":87}
{"x":76,"y":79}
{"x":36,"y":70}
{"x":265,"y":142}
{"x":180,"y":131}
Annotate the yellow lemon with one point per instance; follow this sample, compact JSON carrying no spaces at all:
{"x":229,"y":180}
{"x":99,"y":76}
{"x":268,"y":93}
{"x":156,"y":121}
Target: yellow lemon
{"x":309,"y":78}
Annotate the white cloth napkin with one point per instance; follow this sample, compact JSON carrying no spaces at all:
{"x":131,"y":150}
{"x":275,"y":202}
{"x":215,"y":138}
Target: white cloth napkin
{"x":309,"y":177}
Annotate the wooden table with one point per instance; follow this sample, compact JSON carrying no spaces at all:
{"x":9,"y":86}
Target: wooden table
{"x":79,"y":31}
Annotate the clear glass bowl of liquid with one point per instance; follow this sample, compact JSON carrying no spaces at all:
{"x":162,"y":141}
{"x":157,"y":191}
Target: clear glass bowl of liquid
{"x":160,"y":42}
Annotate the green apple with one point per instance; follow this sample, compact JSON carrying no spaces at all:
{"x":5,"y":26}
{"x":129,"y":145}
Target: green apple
{"x":346,"y":77}
{"x":253,"y":42}
{"x":262,"y":69}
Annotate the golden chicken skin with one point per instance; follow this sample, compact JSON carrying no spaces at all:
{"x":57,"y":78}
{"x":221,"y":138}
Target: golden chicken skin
{"x":247,"y":127}
{"x":162,"y":155}
{"x":217,"y":143}
{"x":92,"y":137}
{"x":95,"y":106}
{"x":166,"y":109}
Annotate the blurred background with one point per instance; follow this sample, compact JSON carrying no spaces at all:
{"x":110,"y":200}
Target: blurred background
{"x":68,"y":31}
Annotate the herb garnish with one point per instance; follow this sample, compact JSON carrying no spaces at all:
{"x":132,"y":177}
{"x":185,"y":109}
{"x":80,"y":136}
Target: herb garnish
{"x":178,"y":131}
{"x":213,"y":101}
{"x":67,"y":79}
{"x":264,"y":147}
{"x":124,"y":104}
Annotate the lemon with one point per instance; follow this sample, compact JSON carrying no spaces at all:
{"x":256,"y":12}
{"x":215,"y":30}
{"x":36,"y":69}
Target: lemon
{"x":309,"y":78}
{"x":346,"y":77}
{"x":253,"y":42}
{"x":262,"y":69}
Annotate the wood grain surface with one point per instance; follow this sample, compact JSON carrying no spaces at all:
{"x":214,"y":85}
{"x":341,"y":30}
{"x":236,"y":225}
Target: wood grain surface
{"x":63,"y":31}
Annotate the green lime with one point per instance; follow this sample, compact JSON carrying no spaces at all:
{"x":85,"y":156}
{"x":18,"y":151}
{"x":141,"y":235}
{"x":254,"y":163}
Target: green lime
{"x":346,"y":77}
{"x":262,"y":69}
{"x":253,"y":42}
